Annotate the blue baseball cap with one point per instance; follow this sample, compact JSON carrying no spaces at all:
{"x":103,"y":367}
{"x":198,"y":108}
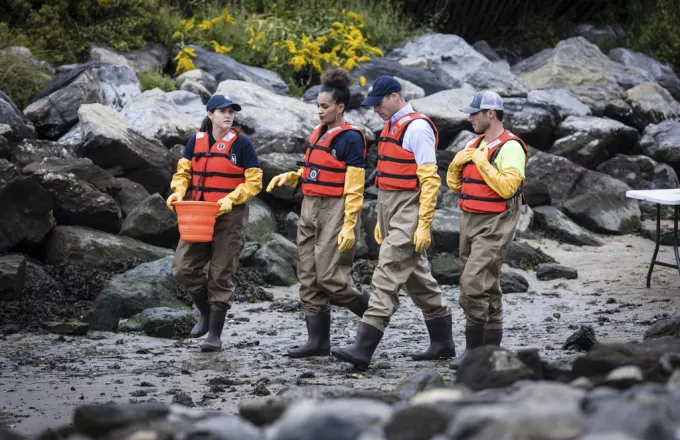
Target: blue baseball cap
{"x":221,"y":101}
{"x":382,"y":86}
{"x":486,"y":100}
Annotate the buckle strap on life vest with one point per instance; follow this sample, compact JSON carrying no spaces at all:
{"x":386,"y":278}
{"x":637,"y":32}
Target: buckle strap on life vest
{"x":389,"y":139}
{"x":216,"y":174}
{"x":211,"y":189}
{"x":311,"y":182}
{"x":470,"y":180}
{"x":302,"y":163}
{"x":397,"y":176}
{"x":519,"y":192}
{"x":212,"y":154}
{"x":394,"y":159}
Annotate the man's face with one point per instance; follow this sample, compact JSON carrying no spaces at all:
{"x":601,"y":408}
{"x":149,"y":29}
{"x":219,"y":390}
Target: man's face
{"x":387,"y":106}
{"x":481,"y":120}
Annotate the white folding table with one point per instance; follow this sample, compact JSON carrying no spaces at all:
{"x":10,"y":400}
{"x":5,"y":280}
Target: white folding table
{"x":670,"y":197}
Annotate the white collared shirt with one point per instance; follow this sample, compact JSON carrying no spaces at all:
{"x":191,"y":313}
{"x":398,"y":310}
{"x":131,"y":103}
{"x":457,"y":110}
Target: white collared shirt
{"x":419,"y":138}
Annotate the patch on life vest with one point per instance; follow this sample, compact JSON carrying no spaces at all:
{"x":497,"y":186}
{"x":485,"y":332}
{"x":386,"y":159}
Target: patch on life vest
{"x":394,"y":130}
{"x":220,"y":146}
{"x":323,"y":138}
{"x":494,"y":143}
{"x":228,"y":136}
{"x":200,"y":135}
{"x":404,"y":119}
{"x":313,"y":175}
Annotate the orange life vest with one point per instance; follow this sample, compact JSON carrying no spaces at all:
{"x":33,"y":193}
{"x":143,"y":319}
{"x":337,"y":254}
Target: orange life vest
{"x":214,"y":173}
{"x":476,"y":195}
{"x":396,"y":170}
{"x":323,"y":174}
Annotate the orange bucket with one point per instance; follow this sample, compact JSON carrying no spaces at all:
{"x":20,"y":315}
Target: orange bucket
{"x":196,"y":220}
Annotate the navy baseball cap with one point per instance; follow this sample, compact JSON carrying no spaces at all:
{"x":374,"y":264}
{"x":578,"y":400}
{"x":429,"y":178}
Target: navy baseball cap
{"x":383,"y":85}
{"x":221,"y":101}
{"x":486,"y":100}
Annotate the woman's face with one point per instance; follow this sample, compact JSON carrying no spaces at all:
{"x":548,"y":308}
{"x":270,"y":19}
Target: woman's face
{"x":222,"y":118}
{"x":329,"y":111}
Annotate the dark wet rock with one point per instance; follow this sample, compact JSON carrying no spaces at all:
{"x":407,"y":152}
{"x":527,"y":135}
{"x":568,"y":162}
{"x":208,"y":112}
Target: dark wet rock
{"x":34,"y":150}
{"x":369,"y":218}
{"x":558,"y":226}
{"x":183,"y":399}
{"x":418,"y":382}
{"x":286,"y":305}
{"x":446,"y":269}
{"x":362,"y":271}
{"x":248,"y":251}
{"x":428,"y":414}
{"x":72,"y":328}
{"x":664,"y":327}
{"x":291,"y":226}
{"x":276,"y":260}
{"x":11,"y":116}
{"x":224,"y":427}
{"x":130,"y":195}
{"x":445,"y":230}
{"x":661,"y":142}
{"x":165,"y":322}
{"x":512,"y":282}
{"x":532,"y":359}
{"x":492,"y":367}
{"x":261,"y":220}
{"x":550,"y":271}
{"x":97,"y":420}
{"x":524,"y":256}
{"x":535,"y":124}
{"x":248,"y":288}
{"x":82,"y":168}
{"x":582,"y":340}
{"x":12,"y":276}
{"x":536,"y":193}
{"x":337,"y":419}
{"x":261,"y":390}
{"x":153,"y":223}
{"x":266,"y":410}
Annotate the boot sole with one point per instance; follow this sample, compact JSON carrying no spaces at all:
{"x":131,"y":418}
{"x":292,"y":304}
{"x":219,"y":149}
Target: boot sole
{"x":317,"y":353}
{"x":198,"y":335}
{"x":432,"y":358}
{"x":210,"y":348}
{"x":361,"y":366}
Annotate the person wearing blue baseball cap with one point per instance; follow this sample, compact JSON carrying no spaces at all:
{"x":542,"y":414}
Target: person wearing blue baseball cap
{"x":407,"y":181}
{"x":489,"y":175}
{"x":220,"y":165}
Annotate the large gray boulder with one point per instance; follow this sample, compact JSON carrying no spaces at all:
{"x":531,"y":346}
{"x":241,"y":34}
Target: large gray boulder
{"x":12,"y":123}
{"x":200,"y":77}
{"x":445,"y":230}
{"x":430,"y":82}
{"x":152,"y":58}
{"x":130,"y":196}
{"x":561,"y":101}
{"x":33,"y":150}
{"x":82,"y":168}
{"x":277,"y":260}
{"x":662,"y":73}
{"x":272,"y":165}
{"x":12,"y":276}
{"x":651,"y":104}
{"x":163,"y":322}
{"x":56,"y":108}
{"x":661,"y":142}
{"x":261,"y":220}
{"x":558,"y":226}
{"x":152,"y":222}
{"x":533,"y":123}
{"x":444,"y":110}
{"x":27,"y":216}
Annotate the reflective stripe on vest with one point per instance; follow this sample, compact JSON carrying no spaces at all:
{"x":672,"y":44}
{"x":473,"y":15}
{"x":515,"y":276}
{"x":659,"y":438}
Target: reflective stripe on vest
{"x":214,"y":172}
{"x":324,"y":175}
{"x":476,"y":196}
{"x":397,"y":167}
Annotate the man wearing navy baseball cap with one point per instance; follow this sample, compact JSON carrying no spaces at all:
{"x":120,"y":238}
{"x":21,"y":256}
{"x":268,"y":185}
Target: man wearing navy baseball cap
{"x":407,"y":184}
{"x":489,"y":174}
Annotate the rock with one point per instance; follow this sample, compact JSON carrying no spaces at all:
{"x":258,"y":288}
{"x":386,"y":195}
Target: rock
{"x":12,"y":276}
{"x":261,"y":220}
{"x":109,"y":141}
{"x":189,"y":103}
{"x":666,"y":232}
{"x":580,"y":67}
{"x":589,"y":141}
{"x":410,"y":90}
{"x":356,"y":95}
{"x":286,"y":305}
{"x":249,"y":249}
{"x":556,"y":173}
{"x":512,"y":282}
{"x":491,"y":367}
{"x":80,"y":203}
{"x":107,"y":55}
{"x":558,"y":226}
{"x":485,"y":49}
{"x":445,"y":230}
{"x":582,"y":340}
{"x":421,"y":421}
{"x":225,"y":427}
{"x":664,"y":327}
{"x":661,"y":142}
{"x":272,"y":165}
{"x":369,"y":218}
{"x":196,"y":89}
{"x":100,"y":419}
{"x":147,"y":286}
{"x":165,"y":322}
{"x":13,"y":119}
{"x":651,"y":104}
{"x":561,"y":102}
{"x":496,"y":78}
{"x":198,"y":76}
{"x":525,"y":222}
{"x":224,"y":67}
{"x":348,"y":419}
{"x":661,"y":72}
{"x":71,"y":328}
{"x":534,"y":124}
{"x":56,"y":109}
{"x":367,"y":118}
{"x":130,"y":195}
{"x":444,"y":110}
{"x":524,"y":256}
{"x":291,"y":226}
{"x":277,"y":259}
{"x":430,"y":82}
{"x":550,"y":271}
{"x":265,"y":411}
{"x":33,"y":150}
{"x":624,"y":377}
{"x":153,"y":223}
{"x":156,"y":117}
{"x":536,"y":193}
{"x":446,"y":269}
{"x":95,"y":249}
{"x":460,"y":141}
{"x":604,"y":36}
{"x":152,"y":58}
{"x":82,"y":168}
{"x":418,"y":382}
{"x":30,"y":218}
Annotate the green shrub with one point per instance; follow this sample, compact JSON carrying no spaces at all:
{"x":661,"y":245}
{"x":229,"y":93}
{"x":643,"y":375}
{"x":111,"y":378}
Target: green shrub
{"x":152,"y":80}
{"x":653,"y":27}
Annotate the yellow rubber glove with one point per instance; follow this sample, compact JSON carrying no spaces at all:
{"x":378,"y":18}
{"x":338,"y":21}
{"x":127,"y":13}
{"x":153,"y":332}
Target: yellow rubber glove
{"x":290,"y":178}
{"x":354,"y":198}
{"x":454,"y":178}
{"x":244,"y":192}
{"x":429,"y":185}
{"x":505,"y":183}
{"x":462,"y":157}
{"x":377,"y":234}
{"x":180,"y":182}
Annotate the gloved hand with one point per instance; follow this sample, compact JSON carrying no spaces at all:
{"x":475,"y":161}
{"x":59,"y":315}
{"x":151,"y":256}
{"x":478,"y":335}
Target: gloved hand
{"x":377,"y":234}
{"x":180,"y":182}
{"x":244,"y":192}
{"x":290,"y":178}
{"x":354,"y":198}
{"x":481,"y":155}
{"x":462,"y":157}
{"x":429,"y":185}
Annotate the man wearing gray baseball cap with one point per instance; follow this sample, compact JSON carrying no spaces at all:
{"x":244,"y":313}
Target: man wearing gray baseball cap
{"x":489,"y":174}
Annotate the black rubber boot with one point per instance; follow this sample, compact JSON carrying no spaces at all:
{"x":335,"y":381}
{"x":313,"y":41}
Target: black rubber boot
{"x":361,"y":305}
{"x":201,"y":327}
{"x":474,"y":337}
{"x":318,"y":337}
{"x":441,"y":341}
{"x":359,"y":354}
{"x":494,"y":336}
{"x":214,"y":343}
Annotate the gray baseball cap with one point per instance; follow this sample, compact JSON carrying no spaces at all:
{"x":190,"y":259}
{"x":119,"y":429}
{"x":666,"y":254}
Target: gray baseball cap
{"x":485,"y":100}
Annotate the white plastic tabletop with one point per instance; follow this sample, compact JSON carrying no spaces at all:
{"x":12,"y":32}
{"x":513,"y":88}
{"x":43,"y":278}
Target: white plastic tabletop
{"x":661,"y":196}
